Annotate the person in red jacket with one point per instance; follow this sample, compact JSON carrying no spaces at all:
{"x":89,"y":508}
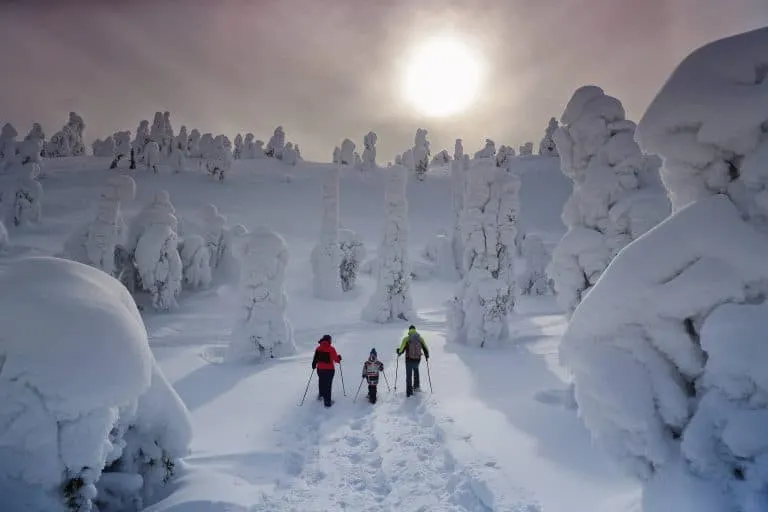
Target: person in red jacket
{"x":323,"y":362}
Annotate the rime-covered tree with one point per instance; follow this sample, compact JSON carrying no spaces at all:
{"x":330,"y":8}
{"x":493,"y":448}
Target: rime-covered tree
{"x":489,"y":151}
{"x":157,"y":131}
{"x":193,"y":146}
{"x":219,"y":163}
{"x":392,"y":298}
{"x":290,"y":157}
{"x":337,"y":155}
{"x":152,"y":156}
{"x":28,"y":197}
{"x":347,"y":154}
{"x":420,"y":154}
{"x":182,"y":141}
{"x":326,"y":256}
{"x":276,"y":144}
{"x":168,"y":134}
{"x":213,"y":233}
{"x":458,"y":186}
{"x":8,"y":145}
{"x":74,"y":130}
{"x":195,"y":261}
{"x":262,"y":330}
{"x":237,"y":153}
{"x":177,"y":159}
{"x":442,"y":158}
{"x":504,"y":156}
{"x":157,"y":258}
{"x":616,"y":195}
{"x":140,"y":143}
{"x":369,"y":153}
{"x":104,"y":148}
{"x":526,"y":149}
{"x":533,"y":279}
{"x":121,"y":148}
{"x":547,"y":146}
{"x":352,"y":255}
{"x":478,"y":313}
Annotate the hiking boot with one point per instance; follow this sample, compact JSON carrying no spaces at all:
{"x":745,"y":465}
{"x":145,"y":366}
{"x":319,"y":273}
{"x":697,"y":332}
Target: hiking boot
{"x":417,"y":389}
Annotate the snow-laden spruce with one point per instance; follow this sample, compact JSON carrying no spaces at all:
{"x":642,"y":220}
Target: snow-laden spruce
{"x":237,"y":152}
{"x":668,"y":350}
{"x":369,"y":153}
{"x":326,"y":256}
{"x":441,"y":158}
{"x":140,"y":143}
{"x":290,"y":156}
{"x":193,"y":145}
{"x":103,"y":148}
{"x":353,"y":253}
{"x":69,"y":140}
{"x":85,"y":414}
{"x":276,"y":144}
{"x":213,"y":233}
{"x":439,"y":252}
{"x":526,"y":149}
{"x":547,"y":146}
{"x":8,"y":145}
{"x":120,"y":146}
{"x":478,"y":313}
{"x":420,"y":154}
{"x":488,"y":151}
{"x":347,"y":152}
{"x":262,"y":330}
{"x":616,"y":196}
{"x":533,"y":279}
{"x":392,"y":298}
{"x":152,"y":156}
{"x":195,"y":261}
{"x":218,"y":159}
{"x":28,"y":199}
{"x":458,"y":186}
{"x":95,"y":243}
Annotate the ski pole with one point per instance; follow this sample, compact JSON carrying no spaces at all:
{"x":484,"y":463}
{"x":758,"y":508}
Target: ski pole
{"x":341,"y":372}
{"x":358,"y":389}
{"x":397,"y":363}
{"x":307,"y":389}
{"x":387,"y":381}
{"x":429,"y":376}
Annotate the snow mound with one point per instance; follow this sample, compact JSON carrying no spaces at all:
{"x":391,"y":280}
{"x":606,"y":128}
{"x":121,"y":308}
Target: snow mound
{"x":80,"y":390}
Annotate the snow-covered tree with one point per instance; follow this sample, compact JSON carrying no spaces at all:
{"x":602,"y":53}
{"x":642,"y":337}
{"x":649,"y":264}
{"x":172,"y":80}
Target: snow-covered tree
{"x":252,"y":148}
{"x":337,"y":155}
{"x":478,"y":313}
{"x":439,"y":252}
{"x":526,"y":149}
{"x":121,"y":147}
{"x":369,"y":153}
{"x":74,"y":130}
{"x":182,"y":141}
{"x":157,"y":130}
{"x":152,"y":156}
{"x":196,"y":261}
{"x":102,"y":427}
{"x":326,"y":256}
{"x":101,"y":237}
{"x":28,"y":199}
{"x":616,"y":191}
{"x":392,"y":298}
{"x":289,"y":154}
{"x":158,"y":261}
{"x":420,"y":154}
{"x":489,"y":151}
{"x":193,"y":146}
{"x":8,"y":145}
{"x":206,"y":146}
{"x":140,"y":142}
{"x":219,"y":163}
{"x":671,"y":379}
{"x":3,"y":236}
{"x":213,"y":233}
{"x":547,"y":146}
{"x":358,"y":161}
{"x":442,"y":158}
{"x":347,"y":154}
{"x":168,"y":135}
{"x":276,"y":144}
{"x":237,"y":154}
{"x":533,"y":280}
{"x":352,"y":255}
{"x":262,"y":330}
{"x":458,"y":186}
{"x":177,"y":159}
{"x":504,"y":156}
{"x":298,"y":152}
{"x":28,"y":156}
{"x":104,"y":148}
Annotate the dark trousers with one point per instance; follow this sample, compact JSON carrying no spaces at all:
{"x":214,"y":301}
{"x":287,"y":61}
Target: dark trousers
{"x":372,"y":393}
{"x":325,"y":385}
{"x":411,"y":375}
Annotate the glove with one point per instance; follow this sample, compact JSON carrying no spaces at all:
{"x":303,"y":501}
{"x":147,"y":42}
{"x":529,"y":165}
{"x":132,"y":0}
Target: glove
{"x":339,"y":358}
{"x":314,"y":366}
{"x":426,"y":356}
{"x":397,"y":351}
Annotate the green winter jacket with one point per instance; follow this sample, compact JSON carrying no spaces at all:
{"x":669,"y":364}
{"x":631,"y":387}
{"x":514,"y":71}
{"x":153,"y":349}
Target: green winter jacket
{"x":404,"y":344}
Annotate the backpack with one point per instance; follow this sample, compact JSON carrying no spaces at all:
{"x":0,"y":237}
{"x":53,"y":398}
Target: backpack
{"x":413,"y":349}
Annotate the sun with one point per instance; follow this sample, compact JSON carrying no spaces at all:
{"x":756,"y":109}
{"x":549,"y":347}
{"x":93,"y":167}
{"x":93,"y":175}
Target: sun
{"x":442,"y":77}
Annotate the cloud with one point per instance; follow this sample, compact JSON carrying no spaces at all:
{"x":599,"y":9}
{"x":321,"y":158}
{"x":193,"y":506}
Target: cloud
{"x":328,"y":70}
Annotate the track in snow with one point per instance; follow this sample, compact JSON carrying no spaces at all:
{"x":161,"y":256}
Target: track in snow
{"x":388,"y":456}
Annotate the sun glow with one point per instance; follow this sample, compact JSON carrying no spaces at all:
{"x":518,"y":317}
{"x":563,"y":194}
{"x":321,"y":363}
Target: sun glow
{"x":443,"y":77}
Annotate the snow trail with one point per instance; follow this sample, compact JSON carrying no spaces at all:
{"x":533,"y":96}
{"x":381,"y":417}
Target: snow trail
{"x":387,"y":456}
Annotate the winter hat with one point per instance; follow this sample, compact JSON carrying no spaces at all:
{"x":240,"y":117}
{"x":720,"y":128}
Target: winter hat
{"x":326,"y":337}
{"x":373,"y":353}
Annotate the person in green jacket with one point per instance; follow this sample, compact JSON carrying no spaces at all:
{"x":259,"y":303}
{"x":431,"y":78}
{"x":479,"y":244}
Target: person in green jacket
{"x":412,"y":346}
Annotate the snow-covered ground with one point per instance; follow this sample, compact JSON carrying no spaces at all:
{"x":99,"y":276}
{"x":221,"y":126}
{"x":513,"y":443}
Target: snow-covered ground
{"x":496,"y":434}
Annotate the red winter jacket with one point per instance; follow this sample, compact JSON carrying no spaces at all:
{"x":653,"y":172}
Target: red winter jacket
{"x":325,"y":356}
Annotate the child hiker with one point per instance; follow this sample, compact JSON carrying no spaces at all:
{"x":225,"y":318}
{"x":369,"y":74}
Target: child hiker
{"x":371,"y":369}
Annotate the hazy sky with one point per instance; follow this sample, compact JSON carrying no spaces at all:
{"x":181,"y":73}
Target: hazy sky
{"x":329,"y":69}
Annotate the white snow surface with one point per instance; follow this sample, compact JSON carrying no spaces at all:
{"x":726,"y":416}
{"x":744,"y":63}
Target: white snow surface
{"x":494,"y":435}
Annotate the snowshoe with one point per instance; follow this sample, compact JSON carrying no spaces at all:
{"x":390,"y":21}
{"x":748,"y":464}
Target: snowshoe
{"x":332,"y":402}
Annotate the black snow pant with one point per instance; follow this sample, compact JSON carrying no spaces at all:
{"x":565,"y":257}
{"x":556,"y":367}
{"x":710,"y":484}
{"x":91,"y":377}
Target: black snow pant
{"x":325,"y":385}
{"x":372,"y":393}
{"x":411,"y":375}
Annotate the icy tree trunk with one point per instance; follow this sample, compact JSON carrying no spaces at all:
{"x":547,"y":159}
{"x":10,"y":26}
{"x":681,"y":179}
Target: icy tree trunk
{"x":479,"y":310}
{"x":392,"y":298}
{"x":262,"y":330}
{"x":326,"y":256}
